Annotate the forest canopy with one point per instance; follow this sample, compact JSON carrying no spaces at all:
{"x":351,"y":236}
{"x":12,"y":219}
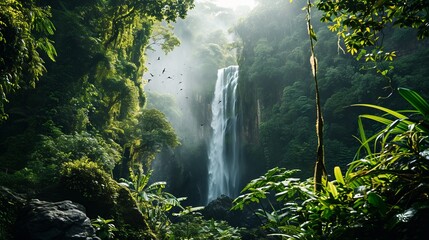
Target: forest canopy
{"x":81,"y":120}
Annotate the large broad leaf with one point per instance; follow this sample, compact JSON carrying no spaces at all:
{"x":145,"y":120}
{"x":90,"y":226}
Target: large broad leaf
{"x":386,"y":110}
{"x":376,"y":201}
{"x":364,"y":139}
{"x":416,"y":101}
{"x":399,"y":124}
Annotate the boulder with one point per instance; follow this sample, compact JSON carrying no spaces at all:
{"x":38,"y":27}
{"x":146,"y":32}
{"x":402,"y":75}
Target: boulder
{"x":220,"y":209}
{"x":54,"y":220}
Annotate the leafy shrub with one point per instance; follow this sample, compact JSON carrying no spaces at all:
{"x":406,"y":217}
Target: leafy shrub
{"x":193,"y":226}
{"x":152,"y":200}
{"x":104,"y":228}
{"x":65,"y":148}
{"x":87,"y":183}
{"x":24,"y":180}
{"x":383,"y":195}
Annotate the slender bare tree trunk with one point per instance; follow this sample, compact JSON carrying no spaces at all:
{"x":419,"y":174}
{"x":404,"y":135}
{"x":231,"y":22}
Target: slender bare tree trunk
{"x":319,"y":169}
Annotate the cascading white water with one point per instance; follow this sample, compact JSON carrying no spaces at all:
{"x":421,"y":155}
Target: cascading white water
{"x":223,"y":150}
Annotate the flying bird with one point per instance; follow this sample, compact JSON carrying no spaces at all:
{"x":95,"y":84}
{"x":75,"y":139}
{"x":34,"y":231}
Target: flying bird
{"x":169,"y":77}
{"x":159,"y":58}
{"x":151,"y":74}
{"x":163,"y":71}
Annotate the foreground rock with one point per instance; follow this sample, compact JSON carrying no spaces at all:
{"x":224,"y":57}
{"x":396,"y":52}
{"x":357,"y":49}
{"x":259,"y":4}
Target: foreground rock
{"x":54,"y":220}
{"x":220,"y":209}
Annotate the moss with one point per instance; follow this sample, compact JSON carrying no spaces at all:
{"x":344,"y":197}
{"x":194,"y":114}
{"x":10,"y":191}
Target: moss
{"x":87,"y":183}
{"x":132,"y":220}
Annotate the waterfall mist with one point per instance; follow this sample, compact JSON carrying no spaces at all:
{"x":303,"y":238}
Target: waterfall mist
{"x":181,"y":85}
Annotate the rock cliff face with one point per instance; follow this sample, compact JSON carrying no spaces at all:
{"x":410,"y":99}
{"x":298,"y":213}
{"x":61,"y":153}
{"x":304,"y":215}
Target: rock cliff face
{"x":249,"y":111}
{"x":54,"y":220}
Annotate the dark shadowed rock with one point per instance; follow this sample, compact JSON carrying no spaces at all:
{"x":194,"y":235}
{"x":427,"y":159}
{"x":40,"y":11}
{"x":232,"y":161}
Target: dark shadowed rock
{"x":10,"y":205}
{"x":65,"y":220}
{"x":220,"y":209}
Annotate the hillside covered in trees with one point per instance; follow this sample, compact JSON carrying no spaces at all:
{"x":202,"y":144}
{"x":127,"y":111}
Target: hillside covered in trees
{"x":107,"y":117}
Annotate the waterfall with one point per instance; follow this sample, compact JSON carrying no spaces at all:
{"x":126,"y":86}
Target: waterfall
{"x":223,"y":151}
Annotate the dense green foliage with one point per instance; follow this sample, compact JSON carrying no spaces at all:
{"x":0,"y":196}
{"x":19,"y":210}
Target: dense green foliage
{"x":88,"y":124}
{"x":24,"y":30}
{"x":196,"y":227}
{"x":91,"y":98}
{"x":88,"y":184}
{"x":276,"y":88}
{"x":104,"y":228}
{"x":382,"y":196}
{"x":361,"y":24}
{"x":85,"y":122}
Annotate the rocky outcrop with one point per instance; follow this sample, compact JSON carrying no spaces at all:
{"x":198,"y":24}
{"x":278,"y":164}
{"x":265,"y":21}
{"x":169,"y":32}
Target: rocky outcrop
{"x":220,"y":209}
{"x":54,"y":220}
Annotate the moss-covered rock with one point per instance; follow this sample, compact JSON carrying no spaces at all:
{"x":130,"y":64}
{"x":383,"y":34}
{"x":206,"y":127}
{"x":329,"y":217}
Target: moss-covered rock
{"x":87,"y":183}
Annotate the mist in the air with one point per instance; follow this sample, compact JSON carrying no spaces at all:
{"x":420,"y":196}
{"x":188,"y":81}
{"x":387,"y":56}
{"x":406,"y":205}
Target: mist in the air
{"x":181,"y":85}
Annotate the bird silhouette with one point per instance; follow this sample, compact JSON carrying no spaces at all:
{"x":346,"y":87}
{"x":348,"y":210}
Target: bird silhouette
{"x":169,"y":77}
{"x":159,"y":58}
{"x":151,"y":74}
{"x":149,"y":80}
{"x":163,"y":71}
{"x":180,"y":82}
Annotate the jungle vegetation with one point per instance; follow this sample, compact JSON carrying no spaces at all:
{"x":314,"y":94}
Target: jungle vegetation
{"x":75,"y":118}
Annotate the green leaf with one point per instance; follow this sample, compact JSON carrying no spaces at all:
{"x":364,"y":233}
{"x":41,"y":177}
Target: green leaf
{"x":361,"y":54}
{"x":386,"y":110}
{"x":332,"y":189}
{"x":376,"y":201}
{"x":415,"y":100}
{"x":377,"y":119}
{"x":339,"y":175}
{"x":364,"y":140}
{"x":327,"y":213}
